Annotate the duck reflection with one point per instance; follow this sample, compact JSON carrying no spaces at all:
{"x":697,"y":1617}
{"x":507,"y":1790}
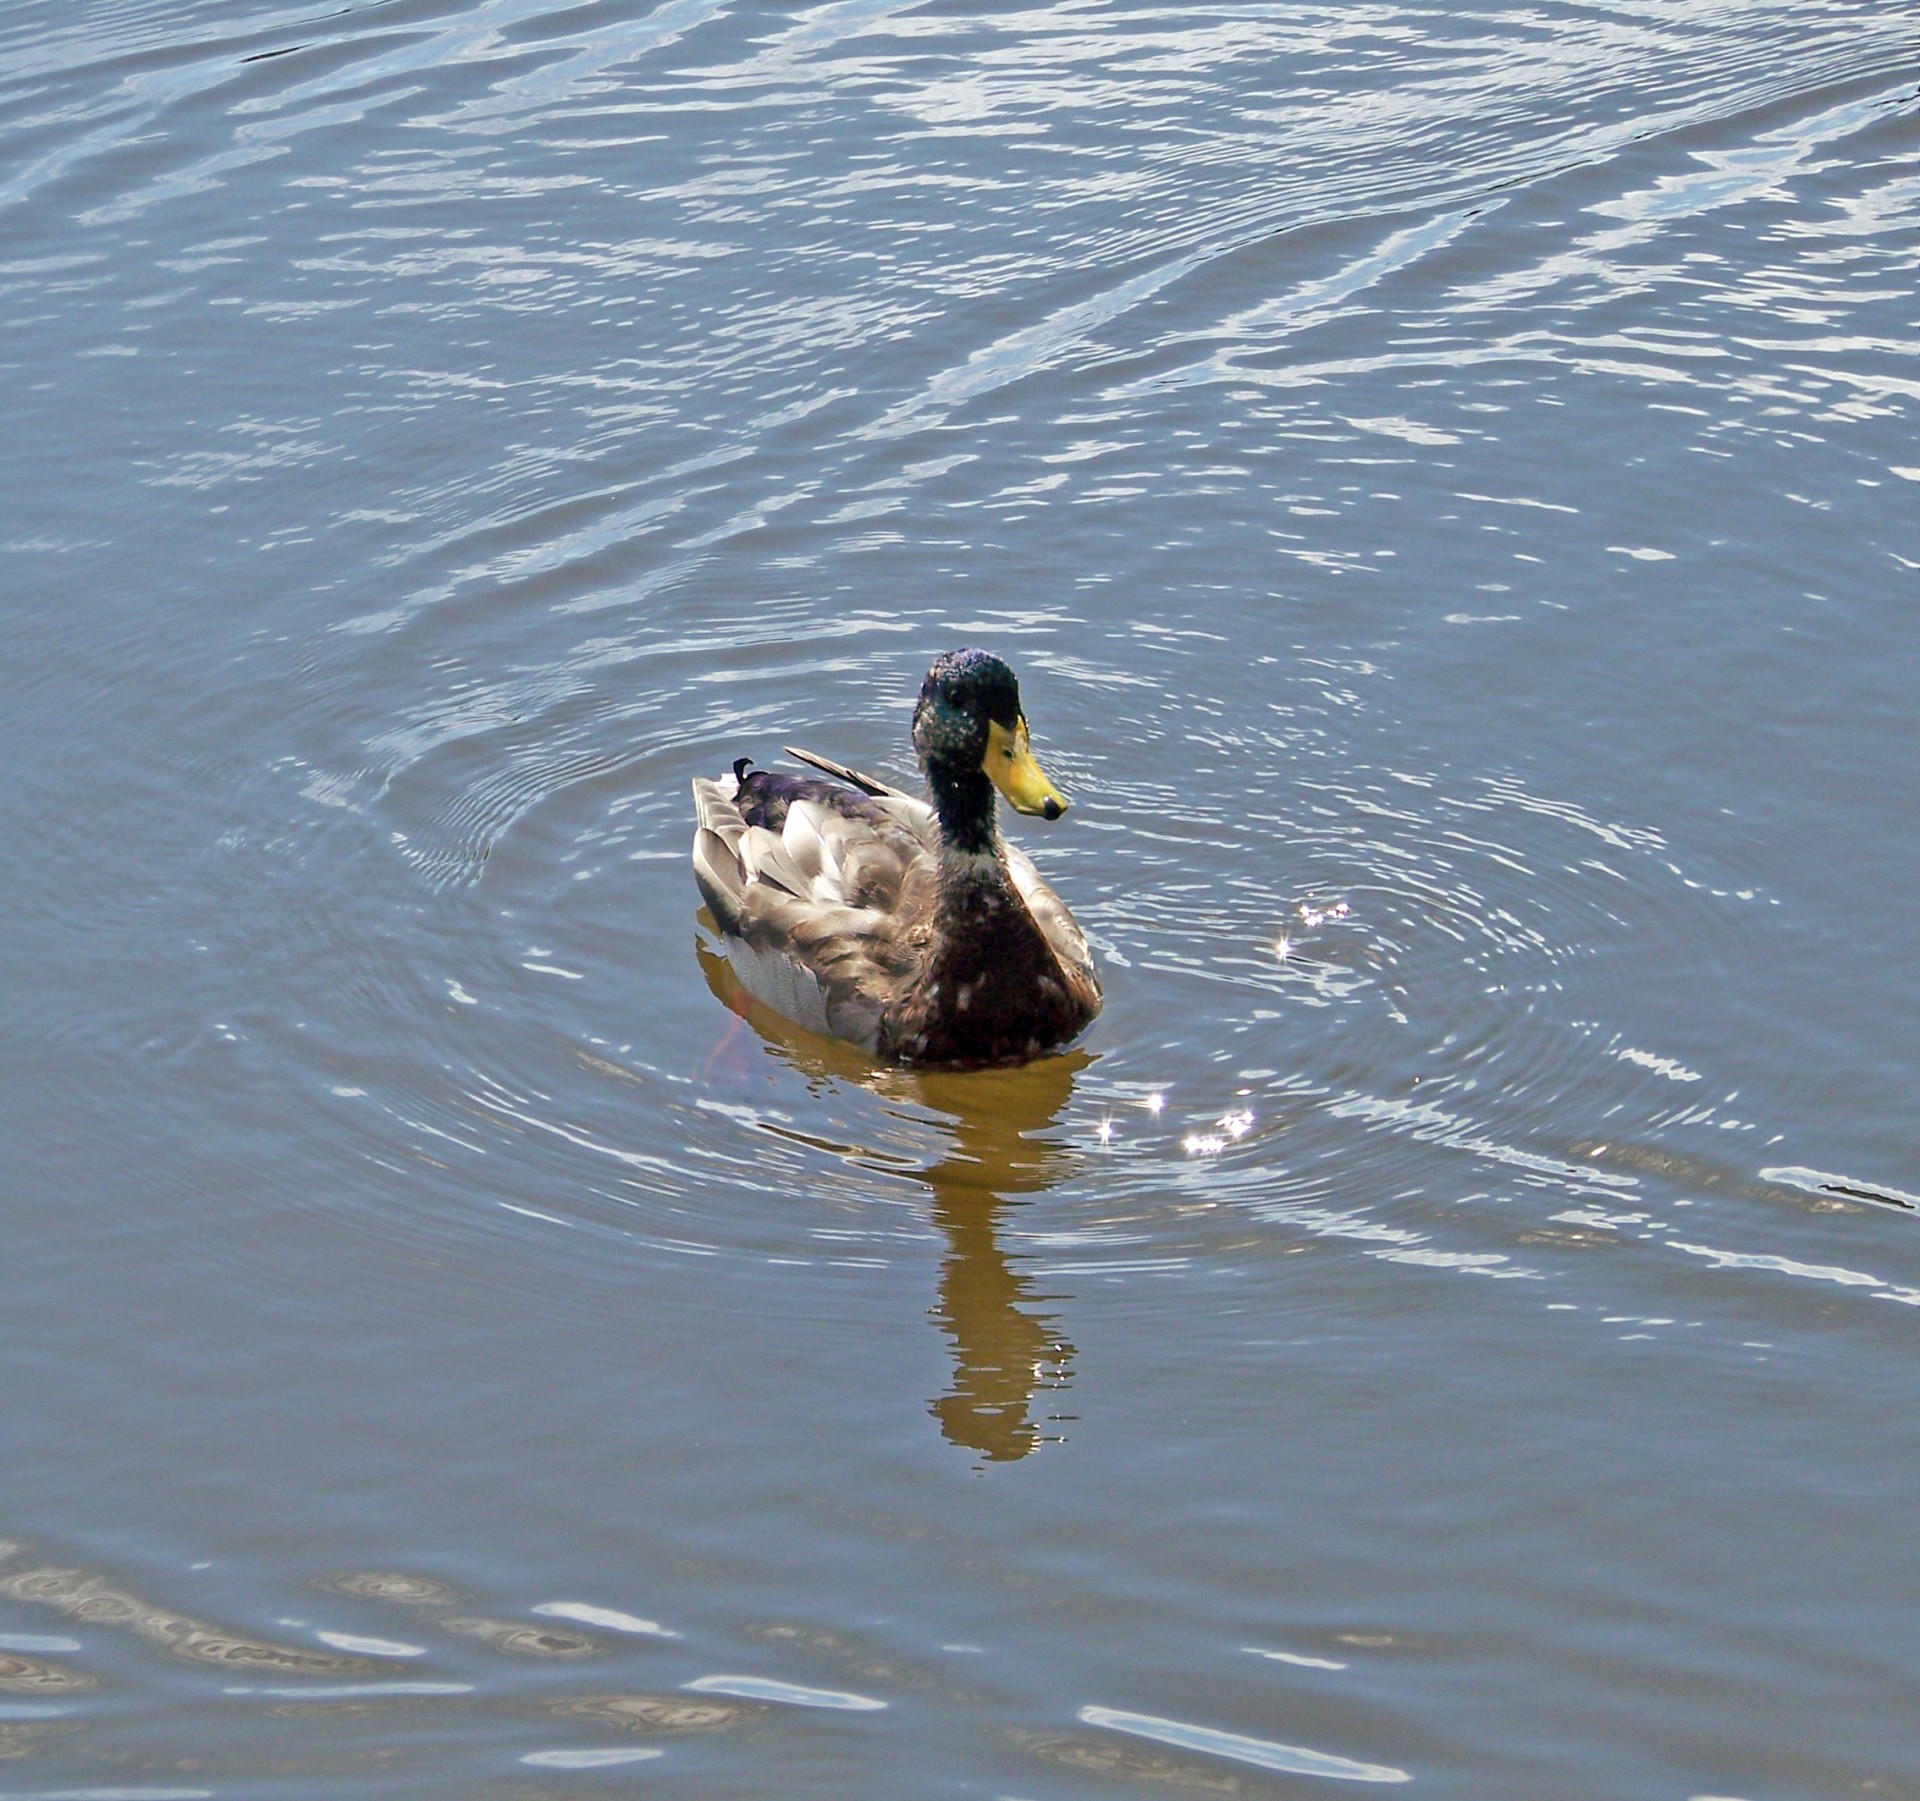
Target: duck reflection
{"x":1006,"y":1350}
{"x":1003,"y":1351}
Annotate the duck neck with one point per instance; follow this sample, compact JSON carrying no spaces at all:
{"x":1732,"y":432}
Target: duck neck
{"x":963,"y":803}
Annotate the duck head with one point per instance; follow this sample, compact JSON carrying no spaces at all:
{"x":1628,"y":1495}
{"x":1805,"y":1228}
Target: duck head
{"x":968,"y":731}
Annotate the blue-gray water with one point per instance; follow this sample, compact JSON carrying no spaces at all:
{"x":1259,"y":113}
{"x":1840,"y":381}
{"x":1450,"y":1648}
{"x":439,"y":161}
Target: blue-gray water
{"x":1448,"y":478}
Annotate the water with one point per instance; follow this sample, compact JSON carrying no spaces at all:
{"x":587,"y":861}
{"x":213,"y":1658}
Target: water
{"x":1447,"y":481}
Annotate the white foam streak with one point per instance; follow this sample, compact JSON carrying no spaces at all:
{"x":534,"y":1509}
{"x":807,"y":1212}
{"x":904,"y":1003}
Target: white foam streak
{"x":1265,"y":1754}
{"x":768,"y":1688}
{"x":590,"y":1760}
{"x":609,"y":1617}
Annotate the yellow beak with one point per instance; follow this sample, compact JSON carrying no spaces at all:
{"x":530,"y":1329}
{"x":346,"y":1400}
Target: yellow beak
{"x":1011,"y":769}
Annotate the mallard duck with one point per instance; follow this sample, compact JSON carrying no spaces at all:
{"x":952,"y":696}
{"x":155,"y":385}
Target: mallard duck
{"x":912,"y":930}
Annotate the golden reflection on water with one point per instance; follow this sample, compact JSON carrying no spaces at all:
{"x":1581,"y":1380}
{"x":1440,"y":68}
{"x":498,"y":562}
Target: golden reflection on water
{"x":1005,"y":1350}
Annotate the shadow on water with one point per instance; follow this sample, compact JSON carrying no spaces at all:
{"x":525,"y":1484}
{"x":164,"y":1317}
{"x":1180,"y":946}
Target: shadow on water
{"x":1005,"y":1350}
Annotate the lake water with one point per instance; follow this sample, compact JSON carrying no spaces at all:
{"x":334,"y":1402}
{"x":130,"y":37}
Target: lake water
{"x":1446,"y":476}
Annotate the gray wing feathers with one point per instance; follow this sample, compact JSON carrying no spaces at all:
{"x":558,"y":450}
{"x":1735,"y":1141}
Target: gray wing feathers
{"x":717,"y":864}
{"x":828,"y":998}
{"x":805,"y":911}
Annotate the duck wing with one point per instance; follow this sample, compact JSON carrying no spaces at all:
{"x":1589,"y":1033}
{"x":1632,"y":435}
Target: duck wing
{"x":822,"y":907}
{"x":1059,"y":927}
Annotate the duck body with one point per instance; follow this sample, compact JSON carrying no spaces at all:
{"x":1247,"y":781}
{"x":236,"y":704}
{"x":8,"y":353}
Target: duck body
{"x":908,"y":927}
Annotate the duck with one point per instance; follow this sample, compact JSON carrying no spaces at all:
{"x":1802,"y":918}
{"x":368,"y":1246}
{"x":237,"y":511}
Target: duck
{"x":906,"y":926}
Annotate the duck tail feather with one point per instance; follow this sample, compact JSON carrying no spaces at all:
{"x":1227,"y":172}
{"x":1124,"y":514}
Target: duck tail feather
{"x":867,"y":784}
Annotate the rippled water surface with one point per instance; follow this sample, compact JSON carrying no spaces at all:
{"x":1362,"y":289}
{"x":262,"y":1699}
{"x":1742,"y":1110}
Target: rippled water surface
{"x":1447,"y":477}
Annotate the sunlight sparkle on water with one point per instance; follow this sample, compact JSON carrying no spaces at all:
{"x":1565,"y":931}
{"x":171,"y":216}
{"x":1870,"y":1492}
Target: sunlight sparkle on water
{"x":1316,"y":916}
{"x":1232,"y":1126}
